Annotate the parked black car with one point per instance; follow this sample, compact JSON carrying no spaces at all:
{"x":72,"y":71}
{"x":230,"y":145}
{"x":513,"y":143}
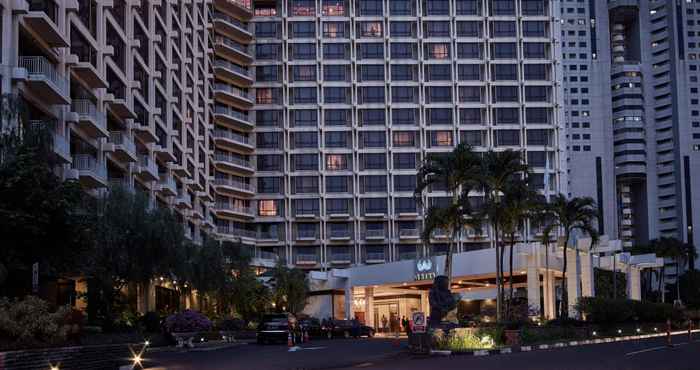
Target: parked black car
{"x":277,"y":328}
{"x":347,"y":329}
{"x":313,"y":327}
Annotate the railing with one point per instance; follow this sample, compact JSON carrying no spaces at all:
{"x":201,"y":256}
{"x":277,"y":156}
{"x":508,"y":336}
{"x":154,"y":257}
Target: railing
{"x":232,"y":44}
{"x":408,"y":232}
{"x":375,"y":256}
{"x":146,"y":163}
{"x":337,"y":233}
{"x":234,"y":184}
{"x":307,"y":234}
{"x":238,"y":209}
{"x":231,"y":159}
{"x":374,"y":233}
{"x":226,"y":229}
{"x":166,"y":180}
{"x":86,"y":162}
{"x":341,"y":257}
{"x":235,"y":22}
{"x":222,"y":109}
{"x":225,"y":134}
{"x":118,"y":182}
{"x":264,"y":255}
{"x":41,"y":67}
{"x":85,"y":53}
{"x":86,"y":109}
{"x":407,"y":255}
{"x":307,"y":258}
{"x":228,"y":65}
{"x":120,"y":138}
{"x":233,"y":91}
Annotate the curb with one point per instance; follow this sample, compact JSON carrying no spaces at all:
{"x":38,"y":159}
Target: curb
{"x":205,"y":348}
{"x":563,"y":344}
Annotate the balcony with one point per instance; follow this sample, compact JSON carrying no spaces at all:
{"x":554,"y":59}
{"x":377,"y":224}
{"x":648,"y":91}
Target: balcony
{"x":147,"y":169}
{"x":90,"y":172}
{"x":232,"y":118}
{"x":340,"y":258}
{"x":232,"y":95}
{"x":375,"y":257}
{"x":166,"y":184}
{"x":306,"y":235}
{"x":269,"y":236}
{"x":224,"y":209}
{"x":83,"y":59}
{"x":234,"y":141}
{"x":183,"y":199}
{"x":231,"y":27}
{"x":228,"y":231}
{"x":60,"y":147}
{"x":232,"y":50}
{"x":238,"y":8}
{"x":407,"y":255}
{"x":44,"y":80}
{"x":374,"y":234}
{"x":41,"y":20}
{"x":409,"y":234}
{"x":224,"y":185}
{"x":339,"y":234}
{"x":232,"y":73}
{"x":89,"y":119}
{"x":306,"y":259}
{"x":264,"y":258}
{"x":233,"y":164}
{"x":123,"y":147}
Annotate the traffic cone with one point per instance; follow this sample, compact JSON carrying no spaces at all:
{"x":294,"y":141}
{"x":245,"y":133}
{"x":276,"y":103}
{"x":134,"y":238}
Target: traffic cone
{"x":290,"y":342}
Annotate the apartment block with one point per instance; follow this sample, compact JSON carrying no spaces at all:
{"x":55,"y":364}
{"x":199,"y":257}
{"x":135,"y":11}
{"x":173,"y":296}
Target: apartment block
{"x":124,"y":85}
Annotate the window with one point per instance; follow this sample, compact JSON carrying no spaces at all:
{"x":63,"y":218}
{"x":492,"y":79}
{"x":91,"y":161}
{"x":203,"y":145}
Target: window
{"x":472,"y":138}
{"x":305,"y":185}
{"x":334,"y":30}
{"x":534,"y":50}
{"x":337,"y":206}
{"x":371,"y":94}
{"x":536,"y":72}
{"x":537,"y":115}
{"x":303,"y":7}
{"x":506,"y":116}
{"x":306,"y":207}
{"x":336,"y":51}
{"x":267,"y":29}
{"x":468,"y":7}
{"x":372,"y":117}
{"x":333,"y":7}
{"x":534,"y":29}
{"x":404,"y":94}
{"x":505,"y":94}
{"x":438,"y":72}
{"x":533,"y":7}
{"x":507,"y":137}
{"x":268,"y":118}
{"x":438,"y":50}
{"x":468,"y":29}
{"x":505,"y":72}
{"x":403,"y":116}
{"x":305,"y":140}
{"x":304,"y":117}
{"x":373,"y":184}
{"x":373,"y":139}
{"x":437,"y":7}
{"x":370,"y":29}
{"x":336,"y":139}
{"x":336,"y":95}
{"x":536,"y":94}
{"x":374,"y":205}
{"x":337,"y":117}
{"x":267,"y":51}
{"x":437,"y":28}
{"x":371,"y":72}
{"x":269,"y":185}
{"x":335,"y":73}
{"x":405,"y":205}
{"x":439,"y":94}
{"x":371,"y":51}
{"x":370,"y":7}
{"x":404,"y":161}
{"x":403,"y":50}
{"x":402,"y":29}
{"x":373,"y":161}
{"x":401,"y":7}
{"x":404,"y":139}
{"x":303,"y":51}
{"x":504,"y":50}
{"x":405,"y":183}
{"x":337,"y":184}
{"x":268,"y":140}
{"x":539,"y":137}
{"x":403,"y":72}
{"x":439,"y":116}
{"x":336,"y":162}
{"x":441,"y":138}
{"x":267,"y":74}
{"x":267,"y":95}
{"x":503,"y":29}
{"x":471,"y":50}
{"x":469,"y":72}
{"x":536,"y":159}
{"x":305,"y":162}
{"x":303,"y":73}
{"x":302,"y":29}
{"x":304,"y":95}
{"x":470,"y":94}
{"x":269,"y":162}
{"x":502,"y":7}
{"x":470,"y":116}
{"x":267,"y":207}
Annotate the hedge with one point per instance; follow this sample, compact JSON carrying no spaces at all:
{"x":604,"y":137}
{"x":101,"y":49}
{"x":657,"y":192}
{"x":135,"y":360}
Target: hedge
{"x":600,"y":310}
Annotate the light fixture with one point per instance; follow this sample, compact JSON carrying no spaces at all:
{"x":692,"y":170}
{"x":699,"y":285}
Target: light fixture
{"x":638,"y":330}
{"x":147,"y":343}
{"x":595,"y":333}
{"x":137,"y":359}
{"x":404,"y":283}
{"x":619,"y":331}
{"x":656,"y":329}
{"x":54,"y":367}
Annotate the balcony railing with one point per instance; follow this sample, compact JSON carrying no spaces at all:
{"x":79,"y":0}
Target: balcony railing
{"x":121,"y":138}
{"x":307,"y":258}
{"x":408,"y":233}
{"x":233,"y":208}
{"x":228,"y":65}
{"x":229,"y":19}
{"x":264,"y":255}
{"x":341,"y":257}
{"x":39,"y":66}
{"x":86,"y":162}
{"x":307,"y":234}
{"x":235,"y":160}
{"x":339,"y":233}
{"x":233,"y":91}
{"x":225,"y":134}
{"x":374,"y":234}
{"x":232,"y":44}
{"x":222,"y":109}
{"x":407,"y":255}
{"x":234,"y":184}
{"x":375,"y":256}
{"x":86,"y":109}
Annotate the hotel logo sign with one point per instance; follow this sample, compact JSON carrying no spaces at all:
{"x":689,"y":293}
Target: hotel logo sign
{"x":425,"y":269}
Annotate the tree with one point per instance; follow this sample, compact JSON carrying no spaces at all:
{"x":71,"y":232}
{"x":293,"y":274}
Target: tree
{"x":681,"y":253}
{"x":290,"y":289}
{"x":244,"y":291}
{"x":496,"y":177}
{"x":455,"y":171}
{"x":542,"y":217}
{"x":570,"y":215}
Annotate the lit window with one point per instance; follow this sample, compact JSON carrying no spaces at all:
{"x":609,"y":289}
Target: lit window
{"x":371,"y":29}
{"x":267,"y":208}
{"x":442,"y":138}
{"x":335,"y":162}
{"x":439,"y":51}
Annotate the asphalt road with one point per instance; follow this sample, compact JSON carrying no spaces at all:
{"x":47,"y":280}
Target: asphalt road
{"x":649,"y":354}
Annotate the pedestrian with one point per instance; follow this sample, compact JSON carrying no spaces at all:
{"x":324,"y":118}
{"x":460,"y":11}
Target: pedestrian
{"x":404,"y":323}
{"x":384,"y":323}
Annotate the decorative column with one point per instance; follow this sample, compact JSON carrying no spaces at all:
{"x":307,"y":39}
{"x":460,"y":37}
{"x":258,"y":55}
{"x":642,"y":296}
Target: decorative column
{"x":348,"y":300}
{"x":634,"y":283}
{"x":550,"y":298}
{"x":369,"y":307}
{"x":587,"y":275}
{"x":533,"y":284}
{"x":572,"y":281}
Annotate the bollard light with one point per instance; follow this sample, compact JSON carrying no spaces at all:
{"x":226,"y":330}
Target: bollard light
{"x":639,"y":330}
{"x":595,"y":333}
{"x":147,"y":343}
{"x":619,"y":331}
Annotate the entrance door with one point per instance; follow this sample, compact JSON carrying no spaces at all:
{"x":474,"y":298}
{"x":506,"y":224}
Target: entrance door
{"x":360,"y":316}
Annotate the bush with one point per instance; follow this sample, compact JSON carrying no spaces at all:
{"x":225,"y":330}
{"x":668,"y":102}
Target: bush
{"x":611,"y":311}
{"x":187,"y":321}
{"x":150,"y":322}
{"x":465,"y":339}
{"x":30,"y":323}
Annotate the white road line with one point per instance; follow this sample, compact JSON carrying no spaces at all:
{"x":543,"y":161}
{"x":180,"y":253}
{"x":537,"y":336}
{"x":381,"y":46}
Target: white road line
{"x":645,"y":350}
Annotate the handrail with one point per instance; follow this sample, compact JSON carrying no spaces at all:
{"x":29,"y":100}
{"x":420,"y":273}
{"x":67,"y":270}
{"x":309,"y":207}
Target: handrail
{"x":40,"y":66}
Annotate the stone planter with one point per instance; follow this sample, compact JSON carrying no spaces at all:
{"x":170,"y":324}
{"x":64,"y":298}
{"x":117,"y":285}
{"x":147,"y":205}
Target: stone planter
{"x":184,"y":339}
{"x":512,"y":337}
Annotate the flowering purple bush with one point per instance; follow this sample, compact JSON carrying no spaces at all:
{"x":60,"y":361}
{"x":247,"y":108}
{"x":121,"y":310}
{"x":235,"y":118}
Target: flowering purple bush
{"x":187,"y":321}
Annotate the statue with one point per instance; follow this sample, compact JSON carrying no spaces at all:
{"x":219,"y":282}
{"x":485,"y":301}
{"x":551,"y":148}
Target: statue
{"x":441,"y":301}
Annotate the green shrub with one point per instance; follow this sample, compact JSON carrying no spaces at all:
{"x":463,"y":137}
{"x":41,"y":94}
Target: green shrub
{"x":465,"y":339}
{"x":150,"y":322}
{"x":29,"y":322}
{"x":611,"y":311}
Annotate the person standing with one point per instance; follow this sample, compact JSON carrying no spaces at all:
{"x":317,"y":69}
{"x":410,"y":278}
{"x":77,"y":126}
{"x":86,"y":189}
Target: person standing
{"x":384,"y":323}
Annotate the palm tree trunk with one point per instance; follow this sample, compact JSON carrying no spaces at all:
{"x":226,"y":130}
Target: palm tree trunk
{"x":510,"y":280}
{"x":564,"y":292}
{"x":662,"y":285}
{"x":546,"y":266}
{"x":678,"y":279}
{"x":448,"y":262}
{"x":499,"y":301}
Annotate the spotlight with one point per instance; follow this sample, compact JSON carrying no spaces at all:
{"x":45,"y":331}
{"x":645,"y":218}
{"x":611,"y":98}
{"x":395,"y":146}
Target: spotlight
{"x":54,"y":367}
{"x":656,"y":329}
{"x":147,"y":343}
{"x":137,"y":359}
{"x":619,"y":331}
{"x":595,"y":333}
{"x":201,"y":339}
{"x":638,"y":330}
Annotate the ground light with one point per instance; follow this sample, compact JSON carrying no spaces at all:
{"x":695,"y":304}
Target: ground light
{"x":137,"y":360}
{"x":639,"y":330}
{"x":619,"y":331}
{"x":147,"y":343}
{"x":53,"y":367}
{"x":595,"y":333}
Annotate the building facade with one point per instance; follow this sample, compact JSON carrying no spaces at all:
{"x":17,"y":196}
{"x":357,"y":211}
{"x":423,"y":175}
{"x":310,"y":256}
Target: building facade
{"x":636,"y":125}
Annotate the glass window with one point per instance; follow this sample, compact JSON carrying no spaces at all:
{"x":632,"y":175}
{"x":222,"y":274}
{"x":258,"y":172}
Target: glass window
{"x":305,"y":139}
{"x":403,"y":72}
{"x":502,"y":7}
{"x":304,"y":117}
{"x":336,"y":51}
{"x":536,"y":72}
{"x":305,"y":162}
{"x":439,"y":94}
{"x":405,"y":205}
{"x":539,"y":115}
{"x":437,"y":50}
{"x":534,"y":50}
{"x":267,"y":207}
{"x":269,"y":162}
{"x":403,"y":50}
{"x":267,"y":51}
{"x":304,"y":95}
{"x":404,"y":94}
{"x":267,"y":29}
{"x":468,"y":7}
{"x":505,"y":72}
{"x":404,"y":182}
{"x":333,"y":7}
{"x":371,"y":51}
{"x":268,"y":140}
{"x":441,"y":138}
{"x":305,"y":185}
{"x":534,"y":29}
{"x":437,"y":7}
{"x":536,"y":94}
{"x":505,"y":94}
{"x":302,"y":29}
{"x":503,"y":29}
{"x":469,"y":29}
{"x":469,"y":72}
{"x":405,"y":161}
{"x":335,"y":95}
{"x":337,"y":184}
{"x":335,"y":73}
{"x":267,"y":95}
{"x":439,"y":116}
{"x":470,"y":116}
{"x":373,"y":139}
{"x":507,"y":116}
{"x":404,"y":116}
{"x":337,"y":206}
{"x":337,"y":117}
{"x":372,"y":94}
{"x":533,"y":7}
{"x":303,"y":51}
{"x":470,"y":94}
{"x":374,"y":205}
{"x":437,"y":28}
{"x":373,"y":184}
{"x":372,"y":117}
{"x":507,"y":138}
{"x":472,"y":138}
{"x":336,"y":162}
{"x":371,"y":72}
{"x":402,"y":29}
{"x":304,"y":73}
{"x":370,"y":29}
{"x":268,"y":118}
{"x":303,"y":7}
{"x":269,"y":185}
{"x":438,"y":72}
{"x":404,"y":138}
{"x":336,"y":139}
{"x":267,"y":74}
{"x":504,"y":50}
{"x":334,"y":30}
{"x":469,"y":50}
{"x":536,"y":159}
{"x":370,"y":7}
{"x":539,"y":137}
{"x":401,"y":7}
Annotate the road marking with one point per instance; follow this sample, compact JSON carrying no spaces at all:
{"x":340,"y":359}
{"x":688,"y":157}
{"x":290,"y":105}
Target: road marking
{"x":364,"y":364}
{"x":645,"y":350}
{"x":297,"y":348}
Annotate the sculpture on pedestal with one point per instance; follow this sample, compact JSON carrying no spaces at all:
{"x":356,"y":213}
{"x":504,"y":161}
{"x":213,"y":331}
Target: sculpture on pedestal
{"x":441,"y":301}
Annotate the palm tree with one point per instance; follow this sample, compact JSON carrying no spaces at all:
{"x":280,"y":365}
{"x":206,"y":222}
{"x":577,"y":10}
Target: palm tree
{"x":669,"y":248}
{"x":570,"y":215}
{"x":542,"y":218}
{"x":456,"y":172}
{"x":499,"y":170}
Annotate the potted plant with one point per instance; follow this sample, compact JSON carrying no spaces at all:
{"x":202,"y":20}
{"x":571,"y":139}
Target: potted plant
{"x":185,"y":325}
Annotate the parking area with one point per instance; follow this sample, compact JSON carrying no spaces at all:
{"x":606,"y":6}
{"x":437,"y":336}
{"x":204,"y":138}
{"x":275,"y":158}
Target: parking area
{"x":316,"y":354}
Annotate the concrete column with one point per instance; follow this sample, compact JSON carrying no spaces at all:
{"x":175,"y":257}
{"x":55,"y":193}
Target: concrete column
{"x":549,"y":295}
{"x":533,"y":284}
{"x":587,"y":275}
{"x":424,"y":304}
{"x":348,"y":300}
{"x":369,"y":306}
{"x":634,"y":283}
{"x":572,"y":281}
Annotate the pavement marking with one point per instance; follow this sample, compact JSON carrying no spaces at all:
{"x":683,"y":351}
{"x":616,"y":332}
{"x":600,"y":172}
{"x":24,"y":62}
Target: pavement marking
{"x":645,"y":350}
{"x":364,"y":364}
